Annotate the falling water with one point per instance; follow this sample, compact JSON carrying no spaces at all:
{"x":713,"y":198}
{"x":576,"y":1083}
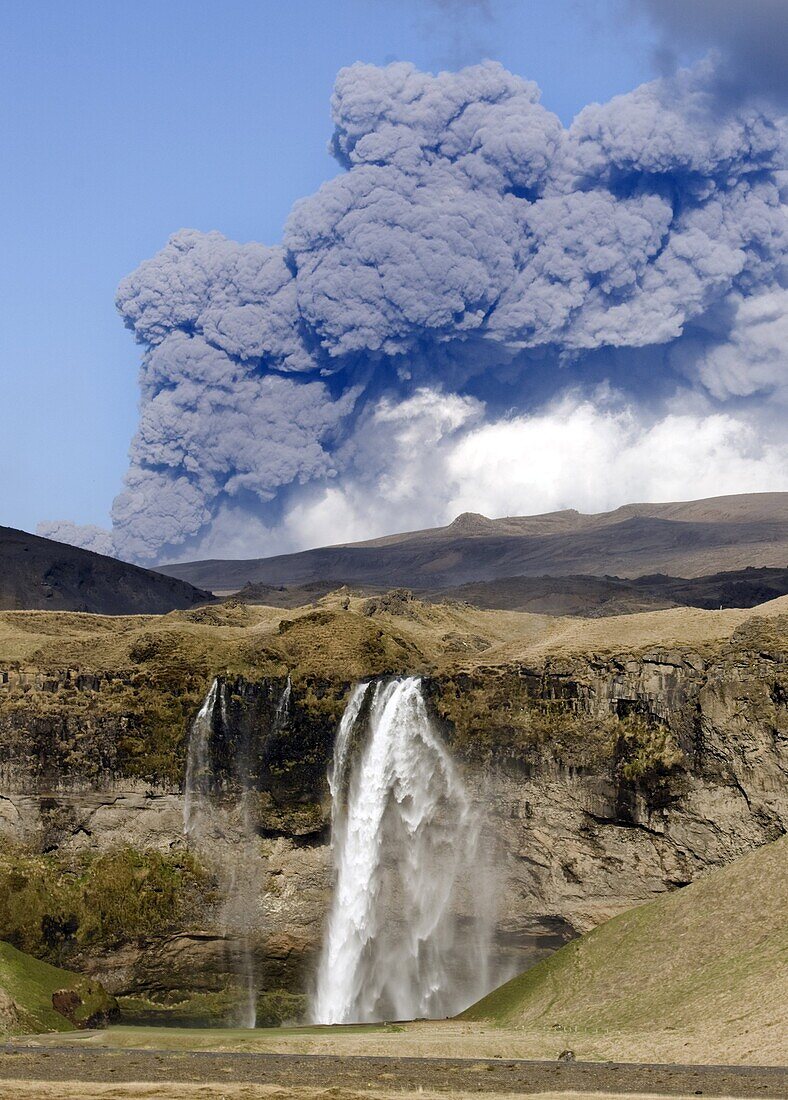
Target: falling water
{"x":405,"y":839}
{"x":336,"y":775}
{"x":282,"y":712}
{"x":227,"y":835}
{"x":198,"y":763}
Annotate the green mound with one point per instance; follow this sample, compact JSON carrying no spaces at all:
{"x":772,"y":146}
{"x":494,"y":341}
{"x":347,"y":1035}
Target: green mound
{"x":275,"y":1007}
{"x":708,"y":960}
{"x":27,"y":987}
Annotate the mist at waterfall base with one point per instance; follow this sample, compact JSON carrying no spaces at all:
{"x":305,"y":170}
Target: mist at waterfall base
{"x":410,"y":930}
{"x":225,"y":835}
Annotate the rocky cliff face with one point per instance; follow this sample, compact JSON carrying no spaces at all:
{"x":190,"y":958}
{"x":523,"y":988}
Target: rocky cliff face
{"x":605,"y":779}
{"x":640,"y":774}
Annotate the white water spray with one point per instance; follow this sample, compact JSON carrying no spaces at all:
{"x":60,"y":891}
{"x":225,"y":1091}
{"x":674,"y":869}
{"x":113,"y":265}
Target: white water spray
{"x":282,"y":712}
{"x":409,"y":930}
{"x":198,"y":763}
{"x":226,"y":834}
{"x":336,"y":775}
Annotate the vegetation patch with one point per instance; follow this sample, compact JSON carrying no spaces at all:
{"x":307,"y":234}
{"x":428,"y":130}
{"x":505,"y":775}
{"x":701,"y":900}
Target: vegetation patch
{"x":647,"y":754}
{"x":54,"y":903}
{"x":508,"y":713}
{"x":339,"y":646}
{"x":210,"y":1010}
{"x":35,"y":988}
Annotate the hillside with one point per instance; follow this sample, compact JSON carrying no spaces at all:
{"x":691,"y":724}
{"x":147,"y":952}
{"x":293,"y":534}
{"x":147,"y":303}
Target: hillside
{"x":390,"y":633}
{"x":690,"y":539}
{"x":26,"y":989}
{"x":586,"y":595}
{"x":707,"y":961}
{"x":574,"y":595}
{"x":39,"y":574}
{"x":616,"y":757}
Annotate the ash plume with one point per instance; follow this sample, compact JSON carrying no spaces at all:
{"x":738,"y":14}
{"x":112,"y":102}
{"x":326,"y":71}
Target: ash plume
{"x":752,"y":38}
{"x":478,"y":266}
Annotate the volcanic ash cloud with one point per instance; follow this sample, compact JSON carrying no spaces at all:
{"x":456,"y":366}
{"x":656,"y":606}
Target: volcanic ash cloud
{"x":475,"y":256}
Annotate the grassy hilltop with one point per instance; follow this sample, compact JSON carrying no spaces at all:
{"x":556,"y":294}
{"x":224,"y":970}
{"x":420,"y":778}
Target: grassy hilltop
{"x":147,"y":675}
{"x":707,"y":964}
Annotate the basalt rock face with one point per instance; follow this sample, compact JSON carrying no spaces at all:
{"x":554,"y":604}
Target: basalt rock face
{"x":605,"y":780}
{"x":73,"y":789}
{"x":640,"y":775}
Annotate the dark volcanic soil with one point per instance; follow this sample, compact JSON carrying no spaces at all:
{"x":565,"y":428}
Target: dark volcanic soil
{"x":452,"y":1076}
{"x":574,"y":595}
{"x":42,"y":575}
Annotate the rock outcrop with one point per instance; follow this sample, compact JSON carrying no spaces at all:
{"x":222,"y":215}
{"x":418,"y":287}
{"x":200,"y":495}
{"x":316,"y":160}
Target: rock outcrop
{"x":607,"y":778}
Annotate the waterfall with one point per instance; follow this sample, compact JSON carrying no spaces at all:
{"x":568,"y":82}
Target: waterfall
{"x":282,"y":712}
{"x":409,"y":930}
{"x":336,"y":775}
{"x":198,"y":766}
{"x":224,"y":832}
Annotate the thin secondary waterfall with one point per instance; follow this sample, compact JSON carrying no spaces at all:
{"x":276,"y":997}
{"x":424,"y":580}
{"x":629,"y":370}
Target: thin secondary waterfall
{"x":198,"y":767}
{"x":409,"y":931}
{"x":224,"y":832}
{"x":336,"y":776}
{"x":282,"y":712}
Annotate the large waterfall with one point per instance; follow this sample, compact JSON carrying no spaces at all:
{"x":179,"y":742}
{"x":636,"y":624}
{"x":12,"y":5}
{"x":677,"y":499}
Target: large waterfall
{"x":409,"y":931}
{"x":223,"y":830}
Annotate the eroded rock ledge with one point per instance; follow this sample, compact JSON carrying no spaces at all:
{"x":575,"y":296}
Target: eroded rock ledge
{"x":607,"y":776}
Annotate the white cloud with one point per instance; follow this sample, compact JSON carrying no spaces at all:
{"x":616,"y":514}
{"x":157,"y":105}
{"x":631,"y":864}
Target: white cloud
{"x":579,"y":456}
{"x":573,"y":455}
{"x":422,"y":461}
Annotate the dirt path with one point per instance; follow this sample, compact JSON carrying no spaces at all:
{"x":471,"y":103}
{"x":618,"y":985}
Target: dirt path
{"x":331,"y":1076}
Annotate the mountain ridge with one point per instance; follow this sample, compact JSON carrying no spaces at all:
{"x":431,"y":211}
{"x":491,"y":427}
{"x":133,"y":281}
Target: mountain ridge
{"x":684,"y":539}
{"x":38,"y":574}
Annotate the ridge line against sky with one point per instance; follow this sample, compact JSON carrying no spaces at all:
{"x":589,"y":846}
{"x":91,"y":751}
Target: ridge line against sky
{"x":484,"y":311}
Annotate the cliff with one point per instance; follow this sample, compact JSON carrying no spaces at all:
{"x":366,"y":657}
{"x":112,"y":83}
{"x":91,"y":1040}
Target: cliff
{"x":615,"y":760}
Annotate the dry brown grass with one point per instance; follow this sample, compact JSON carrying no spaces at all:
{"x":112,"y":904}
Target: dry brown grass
{"x":700,"y":1044}
{"x":83,"y":1090}
{"x":427,"y":637}
{"x":219,"y":1090}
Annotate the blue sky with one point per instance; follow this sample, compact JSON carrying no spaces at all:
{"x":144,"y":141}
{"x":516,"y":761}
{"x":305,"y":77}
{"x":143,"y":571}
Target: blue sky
{"x":122,"y":123}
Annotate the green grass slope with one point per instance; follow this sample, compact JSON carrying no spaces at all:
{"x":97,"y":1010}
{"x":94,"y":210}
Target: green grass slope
{"x":708,"y":963}
{"x":26,"y":988}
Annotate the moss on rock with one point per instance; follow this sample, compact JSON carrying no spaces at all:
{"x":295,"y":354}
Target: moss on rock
{"x":647,"y":752}
{"x":516,"y":714}
{"x":52,"y":904}
{"x":46,"y":998}
{"x":274,"y":1008}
